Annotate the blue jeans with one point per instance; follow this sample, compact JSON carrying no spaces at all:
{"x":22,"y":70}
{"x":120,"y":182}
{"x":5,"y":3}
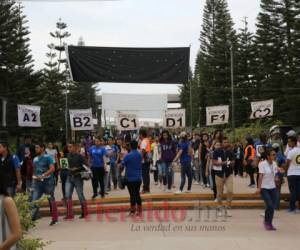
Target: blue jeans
{"x":77,"y":183}
{"x":167,"y":173}
{"x":186,"y":170}
{"x":46,"y":187}
{"x":270,"y":197}
{"x":63,"y":178}
{"x":294,"y":186}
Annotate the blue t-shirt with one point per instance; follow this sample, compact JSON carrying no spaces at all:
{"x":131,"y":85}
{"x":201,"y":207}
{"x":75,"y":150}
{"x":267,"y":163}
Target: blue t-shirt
{"x":41,"y":164}
{"x":184,"y":146}
{"x":133,"y":166}
{"x":97,"y":154}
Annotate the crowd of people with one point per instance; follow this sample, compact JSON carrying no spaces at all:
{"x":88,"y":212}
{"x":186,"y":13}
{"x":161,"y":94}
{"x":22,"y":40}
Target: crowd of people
{"x":111,"y":163}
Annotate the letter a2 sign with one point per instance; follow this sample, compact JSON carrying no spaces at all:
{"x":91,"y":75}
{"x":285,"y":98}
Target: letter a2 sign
{"x":29,"y":116}
{"x":81,"y":119}
{"x":217,"y":115}
{"x":174,"y":118}
{"x":127,"y":122}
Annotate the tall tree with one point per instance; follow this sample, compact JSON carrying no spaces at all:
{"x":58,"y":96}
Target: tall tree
{"x":213,"y":61}
{"x":18,"y":83}
{"x":244,"y":80}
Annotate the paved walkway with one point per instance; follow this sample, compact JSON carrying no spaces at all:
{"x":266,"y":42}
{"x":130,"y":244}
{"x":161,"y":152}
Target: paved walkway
{"x":240,"y":186}
{"x":241,"y":232}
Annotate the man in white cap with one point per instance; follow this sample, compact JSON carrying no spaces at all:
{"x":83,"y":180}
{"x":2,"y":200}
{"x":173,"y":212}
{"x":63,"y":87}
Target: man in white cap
{"x":291,"y":133}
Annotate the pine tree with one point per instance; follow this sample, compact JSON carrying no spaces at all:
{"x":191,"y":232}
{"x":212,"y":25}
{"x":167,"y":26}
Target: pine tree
{"x":244,"y":82}
{"x":213,"y":61}
{"x":276,"y":55}
{"x":60,"y":34}
{"x":18,"y":83}
{"x":52,"y":98}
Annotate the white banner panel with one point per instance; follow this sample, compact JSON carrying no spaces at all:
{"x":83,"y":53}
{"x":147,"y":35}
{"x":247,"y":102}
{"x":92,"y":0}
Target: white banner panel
{"x":81,"y":119}
{"x":29,"y":116}
{"x":217,"y":115}
{"x":125,"y":122}
{"x":174,"y":118}
{"x":145,"y":106}
{"x":262,"y":109}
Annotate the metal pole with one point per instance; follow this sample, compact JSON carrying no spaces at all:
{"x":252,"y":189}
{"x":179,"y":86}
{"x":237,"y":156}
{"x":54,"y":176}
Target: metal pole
{"x":191,"y":104}
{"x":4,"y":103}
{"x":232,"y":93}
{"x":66,"y":114}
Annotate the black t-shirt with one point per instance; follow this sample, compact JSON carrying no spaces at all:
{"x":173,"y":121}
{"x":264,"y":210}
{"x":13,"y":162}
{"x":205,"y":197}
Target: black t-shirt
{"x":75,"y":161}
{"x":225,"y":155}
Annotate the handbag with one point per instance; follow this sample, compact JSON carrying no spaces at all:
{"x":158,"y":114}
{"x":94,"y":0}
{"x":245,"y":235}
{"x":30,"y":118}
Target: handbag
{"x":86,"y":174}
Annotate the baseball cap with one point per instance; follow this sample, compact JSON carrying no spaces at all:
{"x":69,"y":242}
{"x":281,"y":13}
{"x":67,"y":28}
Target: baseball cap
{"x":291,"y":133}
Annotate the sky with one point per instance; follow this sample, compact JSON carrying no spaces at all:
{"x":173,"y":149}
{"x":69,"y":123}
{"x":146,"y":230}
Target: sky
{"x":122,"y":23}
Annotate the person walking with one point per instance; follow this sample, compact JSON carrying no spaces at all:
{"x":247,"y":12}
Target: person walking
{"x":168,"y":154}
{"x":96,"y":161}
{"x":267,"y":187}
{"x":185,"y":155}
{"x":145,"y":149}
{"x":10,"y":168}
{"x":249,"y":157}
{"x":76,"y":165}
{"x":43,"y":182}
{"x":133,"y":172}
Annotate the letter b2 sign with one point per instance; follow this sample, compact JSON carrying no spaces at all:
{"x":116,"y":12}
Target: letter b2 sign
{"x":81,"y":119}
{"x":174,"y":118}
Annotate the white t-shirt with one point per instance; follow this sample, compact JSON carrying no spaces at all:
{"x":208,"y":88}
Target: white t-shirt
{"x":268,"y":171}
{"x":294,"y":157}
{"x":52,"y":153}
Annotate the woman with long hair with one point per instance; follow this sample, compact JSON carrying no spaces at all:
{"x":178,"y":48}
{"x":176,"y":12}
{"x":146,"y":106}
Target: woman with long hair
{"x":203,"y":152}
{"x":249,"y":157}
{"x":267,"y":187}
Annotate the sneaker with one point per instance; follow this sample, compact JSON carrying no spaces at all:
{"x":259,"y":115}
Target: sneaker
{"x":188,"y":191}
{"x":253,"y":186}
{"x":165,"y":188}
{"x":207,"y":185}
{"x":267,"y":226}
{"x":69,"y":218}
{"x":219,"y":213}
{"x":94,"y":196}
{"x":228,"y":213}
{"x":262,"y":214}
{"x":215,"y":200}
{"x":156,"y":183}
{"x":53,"y":222}
{"x":178,"y":192}
{"x":197,"y":183}
{"x":169,"y":191}
{"x":292,"y":211}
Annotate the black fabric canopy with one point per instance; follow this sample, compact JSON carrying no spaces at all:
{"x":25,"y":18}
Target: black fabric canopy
{"x":129,"y":65}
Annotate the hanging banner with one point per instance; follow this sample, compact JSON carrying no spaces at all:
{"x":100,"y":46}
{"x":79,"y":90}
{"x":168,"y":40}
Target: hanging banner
{"x":174,"y":118}
{"x":125,"y":122}
{"x":29,"y":116}
{"x":129,"y":65}
{"x":81,"y":119}
{"x":217,"y":115}
{"x":262,"y":109}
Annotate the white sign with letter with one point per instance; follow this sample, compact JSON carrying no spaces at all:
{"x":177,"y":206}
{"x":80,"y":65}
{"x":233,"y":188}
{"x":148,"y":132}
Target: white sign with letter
{"x":81,"y":119}
{"x":126,"y":121}
{"x":29,"y":116}
{"x":174,"y":118}
{"x":217,"y":115}
{"x":262,"y":109}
